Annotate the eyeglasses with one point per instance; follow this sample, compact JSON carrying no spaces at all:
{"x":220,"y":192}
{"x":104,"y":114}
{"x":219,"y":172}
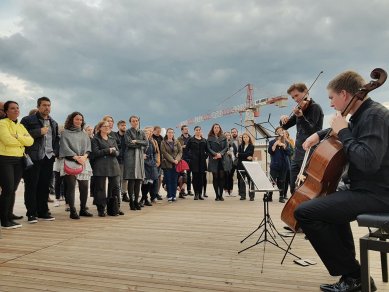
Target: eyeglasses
{"x":104,"y":126}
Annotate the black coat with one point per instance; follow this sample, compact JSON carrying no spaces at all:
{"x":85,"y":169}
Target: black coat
{"x":243,"y":154}
{"x":198,"y":154}
{"x":104,"y":162}
{"x":33,"y":124}
{"x":216,"y":145}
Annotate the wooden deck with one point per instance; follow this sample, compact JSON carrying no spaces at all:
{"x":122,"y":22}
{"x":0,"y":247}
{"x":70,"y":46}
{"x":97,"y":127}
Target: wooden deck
{"x":183,"y":246}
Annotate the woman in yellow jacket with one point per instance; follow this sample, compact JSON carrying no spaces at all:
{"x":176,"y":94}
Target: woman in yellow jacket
{"x":13,"y":138}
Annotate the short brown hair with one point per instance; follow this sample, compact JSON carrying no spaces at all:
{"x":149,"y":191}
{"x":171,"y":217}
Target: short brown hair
{"x":349,"y":80}
{"x":297,"y":86}
{"x":121,"y":122}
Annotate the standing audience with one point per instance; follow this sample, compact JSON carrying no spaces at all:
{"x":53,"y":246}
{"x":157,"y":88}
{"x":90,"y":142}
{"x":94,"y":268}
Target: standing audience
{"x":44,"y":130}
{"x":217,"y":148}
{"x":171,"y":155}
{"x":13,"y":140}
{"x":76,"y":147}
{"x":245,"y":153}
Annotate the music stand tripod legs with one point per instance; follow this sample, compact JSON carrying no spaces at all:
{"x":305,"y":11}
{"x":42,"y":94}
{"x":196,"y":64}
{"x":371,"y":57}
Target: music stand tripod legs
{"x":269,"y":232}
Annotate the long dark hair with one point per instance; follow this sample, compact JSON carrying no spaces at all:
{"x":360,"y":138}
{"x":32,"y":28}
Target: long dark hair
{"x":69,"y":120}
{"x":212,"y":133}
{"x":167,"y":130}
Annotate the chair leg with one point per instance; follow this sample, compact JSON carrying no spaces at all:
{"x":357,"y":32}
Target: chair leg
{"x":384,"y":264}
{"x":364,"y":257}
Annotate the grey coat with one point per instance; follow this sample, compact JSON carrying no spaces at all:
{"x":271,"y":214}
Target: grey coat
{"x":133,"y":161}
{"x":104,"y":162}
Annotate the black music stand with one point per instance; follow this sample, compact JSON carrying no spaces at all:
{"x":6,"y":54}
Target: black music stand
{"x":269,"y":232}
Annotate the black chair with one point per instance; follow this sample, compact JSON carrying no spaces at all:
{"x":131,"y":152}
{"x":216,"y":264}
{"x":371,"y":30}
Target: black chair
{"x":374,"y":240}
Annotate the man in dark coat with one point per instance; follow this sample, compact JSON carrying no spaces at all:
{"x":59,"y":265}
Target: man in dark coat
{"x":44,"y":130}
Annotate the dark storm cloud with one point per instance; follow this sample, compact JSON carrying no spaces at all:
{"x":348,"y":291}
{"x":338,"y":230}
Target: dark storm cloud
{"x":171,"y":60}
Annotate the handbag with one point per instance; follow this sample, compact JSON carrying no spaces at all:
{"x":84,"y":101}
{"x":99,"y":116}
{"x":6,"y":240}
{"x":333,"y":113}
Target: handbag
{"x":27,"y":161}
{"x":181,"y":166}
{"x":72,"y":168}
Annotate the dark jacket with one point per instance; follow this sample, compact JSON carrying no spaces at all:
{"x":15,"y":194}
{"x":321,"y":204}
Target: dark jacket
{"x":185,"y":150}
{"x":159,"y":140}
{"x":216,"y":145}
{"x":306,"y":125}
{"x":198,"y":154}
{"x":104,"y":162}
{"x":169,"y":154}
{"x":150,"y":163}
{"x":33,"y":124}
{"x":243,"y":154}
{"x":279,"y":157}
{"x":121,"y":142}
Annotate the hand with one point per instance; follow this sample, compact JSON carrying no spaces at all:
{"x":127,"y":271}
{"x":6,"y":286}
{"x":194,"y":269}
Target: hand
{"x":218,"y":155}
{"x":284,"y":119}
{"x":133,"y":141}
{"x":249,"y":158}
{"x":183,"y":146}
{"x":112,"y":150}
{"x":338,"y":123}
{"x":311,"y":140}
{"x":298,"y":112}
{"x":144,"y":156}
{"x":44,"y":131}
{"x":175,"y":162}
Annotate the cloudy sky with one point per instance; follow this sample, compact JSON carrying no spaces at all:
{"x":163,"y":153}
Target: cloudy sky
{"x":168,"y":61}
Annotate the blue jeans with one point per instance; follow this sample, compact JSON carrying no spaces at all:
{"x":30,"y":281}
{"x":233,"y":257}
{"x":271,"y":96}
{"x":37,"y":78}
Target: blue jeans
{"x":171,"y":177}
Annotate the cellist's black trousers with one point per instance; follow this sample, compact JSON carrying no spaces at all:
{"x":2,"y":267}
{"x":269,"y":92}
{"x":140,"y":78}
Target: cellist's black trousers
{"x":326,"y":223}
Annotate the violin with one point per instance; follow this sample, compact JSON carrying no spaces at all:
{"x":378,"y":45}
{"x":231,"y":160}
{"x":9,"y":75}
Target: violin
{"x":325,"y":166}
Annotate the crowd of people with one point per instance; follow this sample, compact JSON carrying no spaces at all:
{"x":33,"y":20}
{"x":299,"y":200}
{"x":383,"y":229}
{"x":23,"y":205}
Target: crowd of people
{"x":128,"y":165}
{"x":133,"y":160}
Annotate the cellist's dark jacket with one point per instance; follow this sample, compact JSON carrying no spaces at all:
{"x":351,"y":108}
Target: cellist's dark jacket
{"x":366,"y":143}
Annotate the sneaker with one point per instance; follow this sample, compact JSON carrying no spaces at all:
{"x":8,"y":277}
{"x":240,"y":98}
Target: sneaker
{"x":56,"y":203}
{"x":32,"y":219}
{"x":46,"y":217}
{"x":9,"y":225}
{"x":174,"y":199}
{"x":169,"y":200}
{"x":16,"y":224}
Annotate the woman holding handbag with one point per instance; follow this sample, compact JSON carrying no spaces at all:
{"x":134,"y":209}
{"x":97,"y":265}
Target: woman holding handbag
{"x":13,"y":138}
{"x":171,"y":154}
{"x":75,"y":147}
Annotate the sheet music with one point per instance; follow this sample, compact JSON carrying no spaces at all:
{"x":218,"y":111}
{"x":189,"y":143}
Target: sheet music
{"x":258,"y":176}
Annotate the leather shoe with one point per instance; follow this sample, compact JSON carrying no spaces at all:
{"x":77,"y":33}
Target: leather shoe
{"x":15,"y":217}
{"x":346,"y":284}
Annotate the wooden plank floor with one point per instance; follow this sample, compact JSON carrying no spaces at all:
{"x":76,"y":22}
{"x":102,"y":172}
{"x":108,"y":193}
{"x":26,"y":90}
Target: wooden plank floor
{"x":183,"y":246}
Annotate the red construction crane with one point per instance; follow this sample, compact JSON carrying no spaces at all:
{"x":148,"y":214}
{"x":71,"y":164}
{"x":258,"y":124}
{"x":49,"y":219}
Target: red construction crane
{"x":250,"y":107}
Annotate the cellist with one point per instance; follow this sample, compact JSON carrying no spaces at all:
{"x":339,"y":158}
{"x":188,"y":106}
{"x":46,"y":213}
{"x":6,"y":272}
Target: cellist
{"x":326,"y":220}
{"x":308,"y":118}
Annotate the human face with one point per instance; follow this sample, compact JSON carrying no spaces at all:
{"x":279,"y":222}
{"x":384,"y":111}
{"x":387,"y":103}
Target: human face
{"x":157,"y":131}
{"x":13,"y":111}
{"x":337,"y":100}
{"x":234,"y":133}
{"x":44,"y":108}
{"x":185,"y":130}
{"x":280,"y":132}
{"x":89,"y":131}
{"x":170,"y":134}
{"x":197,"y":132}
{"x":77,"y":121}
{"x":246,"y":139}
{"x":228,"y":135}
{"x":216,"y":129}
{"x":105,"y":128}
{"x":134,"y":123}
{"x":297,"y":95}
{"x":110,"y":123}
{"x":147,"y":132}
{"x":122,"y":127}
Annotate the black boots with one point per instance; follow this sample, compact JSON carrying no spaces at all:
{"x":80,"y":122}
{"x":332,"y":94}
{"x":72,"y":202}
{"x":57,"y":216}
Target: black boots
{"x":73,"y":213}
{"x":112,"y":206}
{"x":100,"y":211}
{"x":125,"y":198}
{"x":85,"y":213}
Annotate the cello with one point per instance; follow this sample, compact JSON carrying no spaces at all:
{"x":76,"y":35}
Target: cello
{"x":327,"y":162}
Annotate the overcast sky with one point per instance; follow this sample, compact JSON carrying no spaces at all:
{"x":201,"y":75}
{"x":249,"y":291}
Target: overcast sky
{"x":171,"y":60}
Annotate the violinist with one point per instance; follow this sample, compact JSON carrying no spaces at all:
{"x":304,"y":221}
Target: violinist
{"x":326,"y":220}
{"x":308,"y":118}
